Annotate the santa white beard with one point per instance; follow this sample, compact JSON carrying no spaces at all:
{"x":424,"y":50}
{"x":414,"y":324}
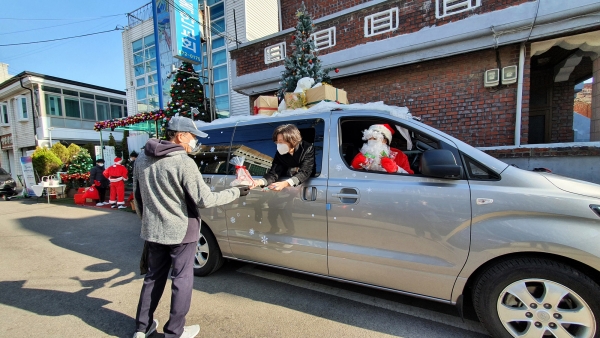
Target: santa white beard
{"x":373,"y":151}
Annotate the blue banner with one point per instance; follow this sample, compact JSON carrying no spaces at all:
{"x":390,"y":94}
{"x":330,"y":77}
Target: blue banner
{"x":186,"y":31}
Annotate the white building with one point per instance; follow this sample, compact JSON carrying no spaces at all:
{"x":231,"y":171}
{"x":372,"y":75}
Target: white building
{"x":253,"y":19}
{"x":37,"y":110}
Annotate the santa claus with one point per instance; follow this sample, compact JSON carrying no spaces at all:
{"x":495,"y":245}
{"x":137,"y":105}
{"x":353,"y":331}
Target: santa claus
{"x":117,"y":175}
{"x":377,"y":155}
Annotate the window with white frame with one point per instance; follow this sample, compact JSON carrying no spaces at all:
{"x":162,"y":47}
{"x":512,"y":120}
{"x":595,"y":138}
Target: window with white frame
{"x":4,"y":113}
{"x":275,"y":53}
{"x":73,"y":109}
{"x":144,"y":68}
{"x":22,"y":108}
{"x":324,"y":38}
{"x":381,"y":22}
{"x":445,"y":8}
{"x":219,"y":58}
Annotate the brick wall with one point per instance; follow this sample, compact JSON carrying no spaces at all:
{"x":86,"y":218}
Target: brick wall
{"x":448,"y":94}
{"x":414,"y":16}
{"x":410,"y":9}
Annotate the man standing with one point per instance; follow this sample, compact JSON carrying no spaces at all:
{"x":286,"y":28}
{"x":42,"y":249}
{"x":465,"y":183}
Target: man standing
{"x":169,"y":190}
{"x":98,"y":180}
{"x":117,"y":175}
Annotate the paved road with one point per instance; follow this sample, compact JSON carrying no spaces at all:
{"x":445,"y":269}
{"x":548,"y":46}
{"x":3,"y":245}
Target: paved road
{"x":71,"y":271}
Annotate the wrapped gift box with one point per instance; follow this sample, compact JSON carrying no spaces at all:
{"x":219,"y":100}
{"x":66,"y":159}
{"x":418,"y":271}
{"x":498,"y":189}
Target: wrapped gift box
{"x":265,"y":105}
{"x":325,"y":93}
{"x":295,"y":100}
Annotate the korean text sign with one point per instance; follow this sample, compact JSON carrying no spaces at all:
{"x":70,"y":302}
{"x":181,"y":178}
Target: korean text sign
{"x":185,"y":31}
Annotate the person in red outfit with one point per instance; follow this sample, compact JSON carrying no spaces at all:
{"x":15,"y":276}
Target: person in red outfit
{"x":117,"y":175}
{"x":376,"y":154}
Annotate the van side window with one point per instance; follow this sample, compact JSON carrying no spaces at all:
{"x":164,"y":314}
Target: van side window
{"x":477,"y":171}
{"x":255,"y":142}
{"x":412,"y":144}
{"x":213,"y":157}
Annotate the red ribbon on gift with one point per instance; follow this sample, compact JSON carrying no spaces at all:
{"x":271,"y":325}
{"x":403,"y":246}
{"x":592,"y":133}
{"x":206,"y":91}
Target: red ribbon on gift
{"x":240,"y":167}
{"x":256,"y":109}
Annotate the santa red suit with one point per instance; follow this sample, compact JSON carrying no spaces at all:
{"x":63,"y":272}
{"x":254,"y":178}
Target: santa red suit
{"x":377,"y":155}
{"x":117,"y":175}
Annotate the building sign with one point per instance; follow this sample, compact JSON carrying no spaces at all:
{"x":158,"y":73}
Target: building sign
{"x":165,"y":49}
{"x":28,"y":174}
{"x":6,"y":141}
{"x":186,"y":31}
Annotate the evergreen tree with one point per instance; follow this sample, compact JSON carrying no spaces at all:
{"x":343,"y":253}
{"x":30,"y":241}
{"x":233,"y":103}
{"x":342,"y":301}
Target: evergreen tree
{"x":125,"y":147}
{"x":303,"y":62}
{"x":81,"y":163}
{"x":187,"y":95}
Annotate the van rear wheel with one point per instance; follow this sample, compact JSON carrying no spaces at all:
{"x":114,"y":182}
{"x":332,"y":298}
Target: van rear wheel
{"x":533,"y":297}
{"x":208,"y":258}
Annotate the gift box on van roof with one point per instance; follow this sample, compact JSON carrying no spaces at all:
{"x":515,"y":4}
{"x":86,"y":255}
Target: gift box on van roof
{"x":325,"y":93}
{"x":265,"y":105}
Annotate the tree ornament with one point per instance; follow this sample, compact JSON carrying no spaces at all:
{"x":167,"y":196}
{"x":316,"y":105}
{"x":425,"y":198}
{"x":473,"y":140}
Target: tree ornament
{"x":337,"y":70}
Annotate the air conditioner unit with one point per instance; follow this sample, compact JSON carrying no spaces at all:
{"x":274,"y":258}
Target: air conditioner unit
{"x":491,"y":77}
{"x":509,"y":75}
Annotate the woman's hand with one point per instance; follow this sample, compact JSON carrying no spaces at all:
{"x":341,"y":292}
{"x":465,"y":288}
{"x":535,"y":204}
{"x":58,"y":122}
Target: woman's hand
{"x":278,"y":186}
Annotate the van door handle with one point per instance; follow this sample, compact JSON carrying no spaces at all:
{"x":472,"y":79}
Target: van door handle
{"x":309,"y":194}
{"x":355,"y":196}
{"x":347,"y":195}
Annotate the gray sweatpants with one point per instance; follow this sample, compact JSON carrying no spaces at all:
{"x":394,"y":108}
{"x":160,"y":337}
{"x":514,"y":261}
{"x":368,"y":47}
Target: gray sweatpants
{"x":160,"y":258}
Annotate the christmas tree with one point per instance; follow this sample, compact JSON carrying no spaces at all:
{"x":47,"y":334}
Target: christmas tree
{"x":80,"y":167}
{"x":187,"y":96}
{"x":304,"y":61}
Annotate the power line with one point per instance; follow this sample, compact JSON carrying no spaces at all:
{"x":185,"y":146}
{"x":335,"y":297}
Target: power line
{"x":70,"y":37}
{"x":64,"y":24}
{"x":95,"y":17}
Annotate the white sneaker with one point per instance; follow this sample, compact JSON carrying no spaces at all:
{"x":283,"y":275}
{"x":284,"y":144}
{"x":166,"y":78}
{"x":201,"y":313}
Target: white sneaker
{"x":190,"y":331}
{"x":150,"y":331}
{"x":99,"y":204}
{"x":122,"y":207}
{"x":105,"y":203}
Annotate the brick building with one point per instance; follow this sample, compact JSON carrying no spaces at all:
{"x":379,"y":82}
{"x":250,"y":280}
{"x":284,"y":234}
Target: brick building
{"x":432,"y":55}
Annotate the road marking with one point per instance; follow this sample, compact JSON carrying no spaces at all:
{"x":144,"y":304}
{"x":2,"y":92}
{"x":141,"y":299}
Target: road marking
{"x":442,"y":318}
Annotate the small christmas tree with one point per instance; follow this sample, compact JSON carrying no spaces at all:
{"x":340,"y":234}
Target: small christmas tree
{"x":80,"y":167}
{"x":304,"y":61}
{"x":187,"y":96}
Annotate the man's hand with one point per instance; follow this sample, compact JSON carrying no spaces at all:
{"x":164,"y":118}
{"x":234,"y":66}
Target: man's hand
{"x":359,"y":161}
{"x":278,"y":186}
{"x":244,"y":190}
{"x":389,"y":165}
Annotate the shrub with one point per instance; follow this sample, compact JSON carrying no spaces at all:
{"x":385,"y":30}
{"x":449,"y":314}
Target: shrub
{"x":73,"y":151}
{"x":45,"y":162}
{"x":61,"y":152}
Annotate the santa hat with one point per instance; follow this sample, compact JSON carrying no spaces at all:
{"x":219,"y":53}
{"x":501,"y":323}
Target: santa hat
{"x":117,"y":160}
{"x":385,"y":129}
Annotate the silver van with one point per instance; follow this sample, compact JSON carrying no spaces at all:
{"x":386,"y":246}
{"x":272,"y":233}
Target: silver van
{"x":525,"y":245}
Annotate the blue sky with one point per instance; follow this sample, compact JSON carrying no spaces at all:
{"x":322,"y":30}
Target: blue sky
{"x":96,"y":59}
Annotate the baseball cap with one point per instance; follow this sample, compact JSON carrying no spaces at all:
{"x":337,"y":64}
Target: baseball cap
{"x":184,"y":124}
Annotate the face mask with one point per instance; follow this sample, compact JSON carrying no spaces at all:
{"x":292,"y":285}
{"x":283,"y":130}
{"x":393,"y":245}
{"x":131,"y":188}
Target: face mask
{"x":282,"y":148}
{"x":101,"y":164}
{"x":194,"y":146}
{"x":132,"y":159}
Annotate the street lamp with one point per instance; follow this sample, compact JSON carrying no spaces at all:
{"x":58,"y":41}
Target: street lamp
{"x":50,"y":129}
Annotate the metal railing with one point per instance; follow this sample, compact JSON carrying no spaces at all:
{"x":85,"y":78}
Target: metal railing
{"x":139,"y":15}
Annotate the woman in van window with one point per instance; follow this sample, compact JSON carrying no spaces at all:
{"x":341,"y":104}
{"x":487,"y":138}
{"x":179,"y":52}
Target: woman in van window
{"x":294,"y":158}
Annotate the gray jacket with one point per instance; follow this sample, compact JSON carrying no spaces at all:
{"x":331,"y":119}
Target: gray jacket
{"x":168,"y":190}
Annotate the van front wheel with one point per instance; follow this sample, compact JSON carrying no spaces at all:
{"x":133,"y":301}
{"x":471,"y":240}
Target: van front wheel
{"x":533,"y":297}
{"x":208,"y":257}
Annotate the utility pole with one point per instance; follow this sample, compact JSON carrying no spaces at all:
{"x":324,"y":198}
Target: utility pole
{"x":209,"y":62}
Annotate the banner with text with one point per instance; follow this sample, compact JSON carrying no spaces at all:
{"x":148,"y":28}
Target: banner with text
{"x":186,"y":31}
{"x":28,"y":174}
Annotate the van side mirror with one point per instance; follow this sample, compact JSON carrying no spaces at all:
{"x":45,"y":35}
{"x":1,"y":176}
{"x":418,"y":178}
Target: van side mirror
{"x":440,"y":163}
